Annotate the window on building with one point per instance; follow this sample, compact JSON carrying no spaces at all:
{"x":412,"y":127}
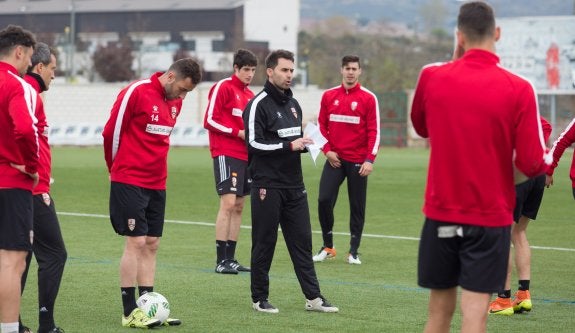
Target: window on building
{"x":189,"y":45}
{"x":218,"y":46}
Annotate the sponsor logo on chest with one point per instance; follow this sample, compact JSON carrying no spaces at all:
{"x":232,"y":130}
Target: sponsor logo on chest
{"x":237,"y":112}
{"x":340,"y":118}
{"x":288,"y":132}
{"x":159,"y":129}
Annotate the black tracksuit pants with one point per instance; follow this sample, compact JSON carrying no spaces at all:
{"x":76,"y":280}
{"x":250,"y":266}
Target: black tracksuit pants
{"x":331,"y":179}
{"x":289,"y":209}
{"x":50,"y":252}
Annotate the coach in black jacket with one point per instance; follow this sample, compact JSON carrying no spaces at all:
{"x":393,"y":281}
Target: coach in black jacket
{"x":273,"y":125}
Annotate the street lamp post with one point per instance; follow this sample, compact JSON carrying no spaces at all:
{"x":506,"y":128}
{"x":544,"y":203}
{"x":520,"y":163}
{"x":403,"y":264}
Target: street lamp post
{"x":72,"y":40}
{"x":68,"y":47}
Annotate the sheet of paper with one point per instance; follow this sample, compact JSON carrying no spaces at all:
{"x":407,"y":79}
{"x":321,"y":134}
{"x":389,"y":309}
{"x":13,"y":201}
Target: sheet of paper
{"x":312,"y":131}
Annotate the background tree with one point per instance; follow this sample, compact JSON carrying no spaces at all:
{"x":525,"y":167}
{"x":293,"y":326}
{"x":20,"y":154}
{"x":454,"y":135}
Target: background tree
{"x":114,"y":61}
{"x":389,"y":63}
{"x":433,"y":14}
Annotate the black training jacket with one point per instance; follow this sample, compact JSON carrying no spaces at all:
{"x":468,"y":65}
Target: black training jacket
{"x":272,"y":120}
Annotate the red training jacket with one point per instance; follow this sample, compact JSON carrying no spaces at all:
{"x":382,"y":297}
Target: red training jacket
{"x":546,"y":127}
{"x":18,"y":137}
{"x":349,"y":120}
{"x":477,"y":116}
{"x":223,"y":118}
{"x":45,"y":156}
{"x":564,"y":141}
{"x":137,"y":135}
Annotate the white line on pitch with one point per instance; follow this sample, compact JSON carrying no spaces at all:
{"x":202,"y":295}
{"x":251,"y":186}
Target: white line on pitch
{"x":316,"y":232}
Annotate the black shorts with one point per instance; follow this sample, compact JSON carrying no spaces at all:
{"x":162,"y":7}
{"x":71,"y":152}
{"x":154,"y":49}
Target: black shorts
{"x":16,"y":219}
{"x":231,"y":176}
{"x":472,"y":257}
{"x":528,"y":198}
{"x":137,"y":211}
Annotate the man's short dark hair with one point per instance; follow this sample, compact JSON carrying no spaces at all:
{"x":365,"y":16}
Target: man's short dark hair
{"x":14,"y":35}
{"x":244,"y":57}
{"x":476,"y":21}
{"x":42,"y":54}
{"x":273,"y":57}
{"x":350,"y":58}
{"x":187,"y":68}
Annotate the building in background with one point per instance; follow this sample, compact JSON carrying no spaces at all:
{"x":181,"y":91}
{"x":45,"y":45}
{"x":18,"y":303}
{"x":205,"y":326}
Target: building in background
{"x":541,"y":48}
{"x":210,"y":30}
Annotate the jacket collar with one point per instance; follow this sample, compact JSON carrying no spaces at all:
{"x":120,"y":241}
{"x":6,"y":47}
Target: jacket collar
{"x":36,"y":81}
{"x":481,"y":55}
{"x":276,"y":94}
{"x":155,"y":78}
{"x":352,"y":89}
{"x":238,"y":83}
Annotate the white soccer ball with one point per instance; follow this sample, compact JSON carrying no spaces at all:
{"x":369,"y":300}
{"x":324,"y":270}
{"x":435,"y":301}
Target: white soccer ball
{"x":154,"y":305}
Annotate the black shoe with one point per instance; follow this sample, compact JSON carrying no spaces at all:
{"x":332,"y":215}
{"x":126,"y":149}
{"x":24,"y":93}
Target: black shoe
{"x":24,"y":329}
{"x":238,"y":267}
{"x":224,"y":267}
{"x":54,"y":330}
{"x":264,"y":306}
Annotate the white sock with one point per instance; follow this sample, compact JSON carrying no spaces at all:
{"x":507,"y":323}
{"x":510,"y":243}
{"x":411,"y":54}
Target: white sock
{"x":9,"y":327}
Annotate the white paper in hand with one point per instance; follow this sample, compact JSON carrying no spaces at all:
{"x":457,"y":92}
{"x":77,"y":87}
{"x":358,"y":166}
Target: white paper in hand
{"x":312,"y":131}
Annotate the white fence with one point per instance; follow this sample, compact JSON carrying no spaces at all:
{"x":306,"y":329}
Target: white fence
{"x":91,"y":135}
{"x":77,"y":113}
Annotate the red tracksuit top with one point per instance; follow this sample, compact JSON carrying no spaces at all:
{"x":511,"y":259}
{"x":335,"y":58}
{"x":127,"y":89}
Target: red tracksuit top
{"x":137,"y":135}
{"x":223,"y":118}
{"x":477,"y":116}
{"x":546,"y":127}
{"x":564,"y":141}
{"x":349,"y":120}
{"x":18,"y":137}
{"x":45,"y":160}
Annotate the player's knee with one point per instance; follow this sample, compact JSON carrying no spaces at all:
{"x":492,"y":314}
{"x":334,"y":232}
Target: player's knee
{"x":152,"y":244}
{"x":135,"y":243}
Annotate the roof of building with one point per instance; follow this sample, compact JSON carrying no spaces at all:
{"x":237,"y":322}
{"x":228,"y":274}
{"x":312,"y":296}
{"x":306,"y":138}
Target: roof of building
{"x":98,"y":6}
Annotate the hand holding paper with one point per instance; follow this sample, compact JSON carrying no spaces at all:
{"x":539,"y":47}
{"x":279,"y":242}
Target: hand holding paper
{"x":312,"y":131}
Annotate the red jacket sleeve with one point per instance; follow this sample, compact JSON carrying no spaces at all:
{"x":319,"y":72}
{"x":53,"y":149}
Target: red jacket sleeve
{"x":214,"y":117}
{"x":546,"y":129}
{"x":323,"y":123}
{"x":564,"y":141}
{"x":373,"y":128}
{"x":21,"y":108}
{"x":418,"y":107}
{"x":530,"y":151}
{"x":110,"y":133}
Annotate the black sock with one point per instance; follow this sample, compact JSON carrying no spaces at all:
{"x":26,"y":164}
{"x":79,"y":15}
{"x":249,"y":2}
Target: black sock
{"x":220,"y":251}
{"x":524,"y":284}
{"x":231,"y":249}
{"x":142,"y":289}
{"x":504,"y":294}
{"x":328,"y":240}
{"x":129,"y":300}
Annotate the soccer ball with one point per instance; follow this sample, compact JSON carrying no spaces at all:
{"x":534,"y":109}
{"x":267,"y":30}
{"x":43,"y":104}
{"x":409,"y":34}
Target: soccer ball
{"x":154,"y":305}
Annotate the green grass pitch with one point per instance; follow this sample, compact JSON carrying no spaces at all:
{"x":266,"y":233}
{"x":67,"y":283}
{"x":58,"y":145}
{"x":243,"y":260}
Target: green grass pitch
{"x":379,"y":296}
